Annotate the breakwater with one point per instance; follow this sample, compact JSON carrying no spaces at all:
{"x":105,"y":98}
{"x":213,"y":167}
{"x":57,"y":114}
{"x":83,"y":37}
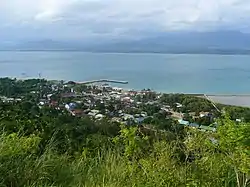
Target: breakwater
{"x":104,"y":81}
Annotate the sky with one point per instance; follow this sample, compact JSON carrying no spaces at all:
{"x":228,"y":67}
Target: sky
{"x":87,"y":19}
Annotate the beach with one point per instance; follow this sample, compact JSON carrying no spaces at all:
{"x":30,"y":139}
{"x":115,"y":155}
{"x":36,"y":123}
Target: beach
{"x":235,"y":100}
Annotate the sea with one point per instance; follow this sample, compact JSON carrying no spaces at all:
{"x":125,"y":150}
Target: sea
{"x":170,"y":73}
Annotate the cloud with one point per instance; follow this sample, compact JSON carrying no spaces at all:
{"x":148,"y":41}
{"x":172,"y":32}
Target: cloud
{"x":82,"y":18}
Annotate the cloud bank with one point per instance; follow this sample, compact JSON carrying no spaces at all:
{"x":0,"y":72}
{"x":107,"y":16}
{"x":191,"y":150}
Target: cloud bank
{"x":119,"y":18}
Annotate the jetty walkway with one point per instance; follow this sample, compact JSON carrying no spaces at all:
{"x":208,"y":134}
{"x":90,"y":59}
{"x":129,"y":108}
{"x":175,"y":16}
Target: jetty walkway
{"x":97,"y":81}
{"x":103,"y":80}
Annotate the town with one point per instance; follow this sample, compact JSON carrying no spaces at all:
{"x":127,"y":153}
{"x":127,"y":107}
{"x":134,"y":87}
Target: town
{"x":65,"y":132}
{"x":99,"y":101}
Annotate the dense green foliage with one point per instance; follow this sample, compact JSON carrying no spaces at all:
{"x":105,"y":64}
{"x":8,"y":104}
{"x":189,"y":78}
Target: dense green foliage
{"x":15,"y":88}
{"x":238,"y":113}
{"x":41,"y":147}
{"x":196,"y":104}
{"x":190,"y":103}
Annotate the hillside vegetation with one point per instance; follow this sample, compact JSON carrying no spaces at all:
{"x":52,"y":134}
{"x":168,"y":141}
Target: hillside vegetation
{"x":68,"y":152}
{"x":48,"y":146}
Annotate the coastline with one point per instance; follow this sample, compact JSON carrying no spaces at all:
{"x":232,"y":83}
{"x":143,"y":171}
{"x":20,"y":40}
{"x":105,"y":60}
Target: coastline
{"x":233,"y":100}
{"x":226,"y":53}
{"x":242,"y":100}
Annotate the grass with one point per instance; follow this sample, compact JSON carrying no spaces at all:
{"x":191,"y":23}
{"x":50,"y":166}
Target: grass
{"x":20,"y":165}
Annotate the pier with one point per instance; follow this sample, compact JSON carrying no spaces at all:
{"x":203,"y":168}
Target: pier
{"x":104,"y":81}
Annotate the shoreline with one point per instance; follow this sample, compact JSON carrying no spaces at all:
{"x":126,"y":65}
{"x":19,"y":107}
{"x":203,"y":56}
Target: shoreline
{"x":241,"y":53}
{"x":241,"y":100}
{"x":232,"y":100}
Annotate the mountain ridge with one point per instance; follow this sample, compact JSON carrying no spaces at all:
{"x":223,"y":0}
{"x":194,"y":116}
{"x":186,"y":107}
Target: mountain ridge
{"x":225,"y":42}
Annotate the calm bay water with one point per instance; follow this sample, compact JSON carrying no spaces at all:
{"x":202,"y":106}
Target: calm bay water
{"x":212,"y":74}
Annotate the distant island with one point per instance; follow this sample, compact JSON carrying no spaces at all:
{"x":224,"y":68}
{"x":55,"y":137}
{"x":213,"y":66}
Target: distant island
{"x":221,"y":42}
{"x":205,"y":51}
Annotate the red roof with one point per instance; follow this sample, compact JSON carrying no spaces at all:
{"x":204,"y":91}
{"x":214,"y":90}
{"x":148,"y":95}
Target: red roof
{"x":53,"y":103}
{"x":78,"y":111}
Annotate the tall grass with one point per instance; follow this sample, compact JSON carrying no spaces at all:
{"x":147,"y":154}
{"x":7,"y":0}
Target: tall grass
{"x":107,"y":167}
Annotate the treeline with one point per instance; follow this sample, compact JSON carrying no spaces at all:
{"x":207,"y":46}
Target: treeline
{"x":199,"y":104}
{"x":16,"y":88}
{"x":189,"y":103}
{"x":44,"y":147}
{"x":236,"y":112}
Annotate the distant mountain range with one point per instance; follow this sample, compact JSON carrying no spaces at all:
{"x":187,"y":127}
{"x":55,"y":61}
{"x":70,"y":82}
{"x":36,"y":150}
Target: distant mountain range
{"x":223,"y":42}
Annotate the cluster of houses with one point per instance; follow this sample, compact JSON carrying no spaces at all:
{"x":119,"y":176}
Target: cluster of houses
{"x":8,"y":100}
{"x":104,"y":101}
{"x":104,"y":95}
{"x":88,"y":103}
{"x":196,"y":125}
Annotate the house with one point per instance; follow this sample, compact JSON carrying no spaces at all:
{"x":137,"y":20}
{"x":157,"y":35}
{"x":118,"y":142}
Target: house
{"x":87,"y":111}
{"x":70,"y":106}
{"x":165,"y":109}
{"x":79,"y":102}
{"x":54,"y":87}
{"x":117,"y":89}
{"x":214,"y":141}
{"x":3,"y":98}
{"x":95,"y":111}
{"x":10,"y":99}
{"x":207,"y":128}
{"x":34,"y":92}
{"x":178,"y":105}
{"x":192,"y":114}
{"x":115,"y":119}
{"x":53,"y":104}
{"x":91,"y":114}
{"x":151,"y":103}
{"x":78,"y":113}
{"x":143,"y":115}
{"x":205,"y":114}
{"x":127,"y":117}
{"x":41,"y":103}
{"x":195,"y":125}
{"x":127,"y":99}
{"x":183,"y":122}
{"x":49,"y":96}
{"x":137,"y":115}
{"x":139,"y":120}
{"x":167,"y":106}
{"x":68,"y":95}
{"x":99,"y":116}
{"x":238,"y":120}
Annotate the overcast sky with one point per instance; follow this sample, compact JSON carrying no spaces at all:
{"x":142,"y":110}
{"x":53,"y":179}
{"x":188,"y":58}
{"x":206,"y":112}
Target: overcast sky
{"x":73,"y":19}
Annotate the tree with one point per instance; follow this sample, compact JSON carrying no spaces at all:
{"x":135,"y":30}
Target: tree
{"x":234,"y":142}
{"x":133,"y":143}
